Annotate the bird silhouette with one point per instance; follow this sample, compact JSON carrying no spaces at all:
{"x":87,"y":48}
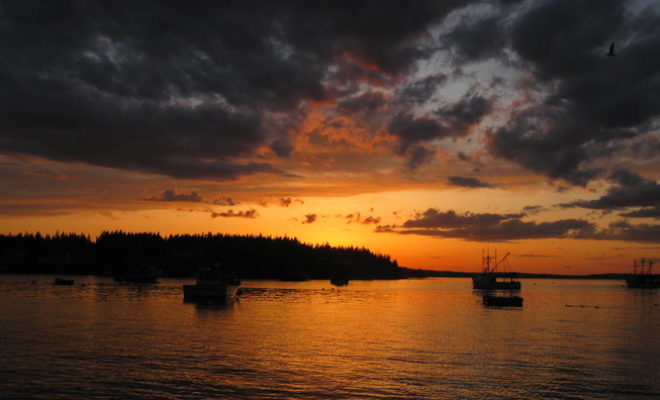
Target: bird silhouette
{"x":611,"y":52}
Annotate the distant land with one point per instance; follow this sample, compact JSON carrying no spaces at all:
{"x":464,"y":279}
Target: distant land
{"x":454,"y":274}
{"x":252,"y":257}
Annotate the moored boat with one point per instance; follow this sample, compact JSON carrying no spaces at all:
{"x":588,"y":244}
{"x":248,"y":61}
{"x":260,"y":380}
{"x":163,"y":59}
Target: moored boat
{"x":137,"y":273}
{"x":62,"y":281}
{"x":490,"y":278}
{"x":642,"y":276}
{"x":340,"y":277}
{"x":213,"y":282}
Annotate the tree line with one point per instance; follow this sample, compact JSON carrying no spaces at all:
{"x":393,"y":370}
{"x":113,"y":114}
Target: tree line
{"x":251,"y":256}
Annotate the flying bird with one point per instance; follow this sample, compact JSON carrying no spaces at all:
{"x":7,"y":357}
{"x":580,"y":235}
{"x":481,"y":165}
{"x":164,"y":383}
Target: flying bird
{"x":611,"y":52}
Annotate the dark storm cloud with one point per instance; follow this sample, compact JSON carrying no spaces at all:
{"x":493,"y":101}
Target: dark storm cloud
{"x":543,"y":141}
{"x":185,"y":89}
{"x":629,"y":190}
{"x":366,"y":102}
{"x":173,"y":195}
{"x":418,"y":155}
{"x":476,"y":40}
{"x":652,"y":212}
{"x":593,"y":100}
{"x":421,"y":90}
{"x":411,"y":129}
{"x":467,"y":181}
{"x":629,"y":232}
{"x":453,"y":120}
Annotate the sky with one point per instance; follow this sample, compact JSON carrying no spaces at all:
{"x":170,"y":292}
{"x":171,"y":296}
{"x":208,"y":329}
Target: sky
{"x":426,"y":130}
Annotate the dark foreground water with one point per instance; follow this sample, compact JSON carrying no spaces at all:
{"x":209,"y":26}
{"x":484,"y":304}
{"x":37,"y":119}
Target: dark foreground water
{"x":409,"y":339}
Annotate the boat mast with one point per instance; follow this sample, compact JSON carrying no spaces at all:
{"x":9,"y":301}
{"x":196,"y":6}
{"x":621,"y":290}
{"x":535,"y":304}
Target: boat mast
{"x":642,"y":261}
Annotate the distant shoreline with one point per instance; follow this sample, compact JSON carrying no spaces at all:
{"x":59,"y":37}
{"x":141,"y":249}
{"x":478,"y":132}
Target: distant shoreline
{"x":425,"y":273}
{"x":408,"y":274}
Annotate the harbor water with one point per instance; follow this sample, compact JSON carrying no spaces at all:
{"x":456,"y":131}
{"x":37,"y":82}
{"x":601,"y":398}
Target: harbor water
{"x":402,"y":339}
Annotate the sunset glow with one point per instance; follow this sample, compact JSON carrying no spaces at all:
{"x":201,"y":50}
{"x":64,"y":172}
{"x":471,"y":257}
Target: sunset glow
{"x":426,"y":135}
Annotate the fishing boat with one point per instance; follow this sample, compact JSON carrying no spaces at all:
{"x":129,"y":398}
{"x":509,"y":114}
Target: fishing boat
{"x":642,"y":276}
{"x":490,"y":278}
{"x":137,"y":273}
{"x":214,"y":282}
{"x":502,"y":301}
{"x":64,"y":282}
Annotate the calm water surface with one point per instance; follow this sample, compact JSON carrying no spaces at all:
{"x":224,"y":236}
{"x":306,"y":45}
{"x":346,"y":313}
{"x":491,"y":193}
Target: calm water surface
{"x":408,"y":339}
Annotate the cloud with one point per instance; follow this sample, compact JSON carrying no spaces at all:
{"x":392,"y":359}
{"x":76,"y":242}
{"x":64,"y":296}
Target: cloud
{"x":251,"y":213}
{"x":453,"y":120}
{"x":309,"y":219}
{"x":287,"y":201}
{"x":514,"y":229}
{"x":531,"y":210}
{"x":357,"y":218}
{"x":419,"y":91}
{"x":629,"y":232}
{"x":652,"y":212}
{"x":469,"y":182}
{"x":474,"y":40}
{"x":172,"y":195}
{"x":432,"y":218}
{"x":225,"y":201}
{"x":585,"y":103}
{"x":191,"y":91}
{"x":371,"y":220}
{"x":507,"y":227}
{"x":368,"y":102}
{"x":490,"y":226}
{"x":629,"y":190}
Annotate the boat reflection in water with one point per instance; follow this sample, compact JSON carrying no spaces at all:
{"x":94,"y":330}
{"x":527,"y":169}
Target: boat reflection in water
{"x":491,"y":300}
{"x":213,"y":283}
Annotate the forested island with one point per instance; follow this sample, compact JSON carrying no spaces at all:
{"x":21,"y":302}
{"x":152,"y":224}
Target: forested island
{"x":252,"y":257}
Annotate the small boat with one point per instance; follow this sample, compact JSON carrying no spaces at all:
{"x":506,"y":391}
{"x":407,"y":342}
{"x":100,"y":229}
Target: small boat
{"x":137,"y":273}
{"x":502,"y":301}
{"x":490,"y":279}
{"x":643,"y":277}
{"x":213,"y":282}
{"x":62,"y":281}
{"x":339,"y":277}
